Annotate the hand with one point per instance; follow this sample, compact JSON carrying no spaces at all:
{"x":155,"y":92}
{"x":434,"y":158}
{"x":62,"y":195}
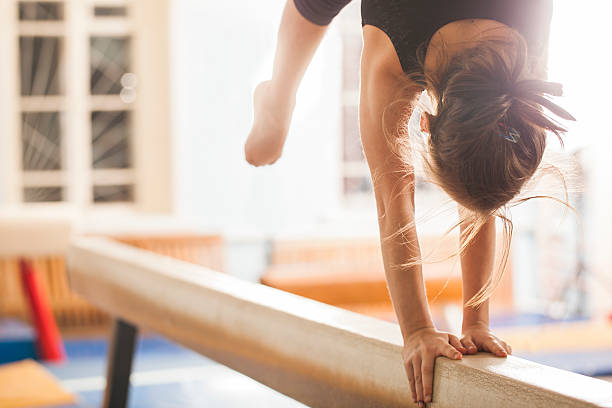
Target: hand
{"x":419,"y":354}
{"x":478,"y":337}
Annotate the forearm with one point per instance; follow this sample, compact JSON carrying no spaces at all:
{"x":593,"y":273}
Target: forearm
{"x":394,"y":191}
{"x":476,"y":266}
{"x":405,"y":281}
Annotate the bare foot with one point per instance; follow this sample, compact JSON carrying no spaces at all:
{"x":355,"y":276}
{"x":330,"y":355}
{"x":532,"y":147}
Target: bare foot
{"x":270,"y":126}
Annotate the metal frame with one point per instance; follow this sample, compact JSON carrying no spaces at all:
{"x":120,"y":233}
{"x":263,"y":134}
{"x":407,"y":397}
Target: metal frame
{"x":119,"y":364}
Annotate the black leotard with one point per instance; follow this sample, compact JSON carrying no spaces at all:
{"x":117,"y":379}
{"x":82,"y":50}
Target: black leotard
{"x":410,"y":23}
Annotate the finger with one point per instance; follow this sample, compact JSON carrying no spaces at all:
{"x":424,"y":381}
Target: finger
{"x":469,"y":345}
{"x":450,"y":352}
{"x":506,"y":347}
{"x":494,"y":347}
{"x":454,"y":341}
{"x":418,"y":378}
{"x":410,"y":374}
{"x":427,"y":371}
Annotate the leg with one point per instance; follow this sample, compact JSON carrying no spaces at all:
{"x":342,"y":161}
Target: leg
{"x":119,"y":365}
{"x":298,"y":39}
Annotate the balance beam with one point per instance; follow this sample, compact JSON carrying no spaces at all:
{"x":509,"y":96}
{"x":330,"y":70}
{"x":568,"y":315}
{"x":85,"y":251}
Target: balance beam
{"x":25,"y":236}
{"x":34,"y":235}
{"x":317,"y":354}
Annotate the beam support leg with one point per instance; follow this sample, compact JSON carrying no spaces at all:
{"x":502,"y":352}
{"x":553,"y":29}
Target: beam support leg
{"x":119,"y":364}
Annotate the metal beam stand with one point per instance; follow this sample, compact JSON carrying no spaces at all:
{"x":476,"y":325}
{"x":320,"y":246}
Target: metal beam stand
{"x":119,"y":364}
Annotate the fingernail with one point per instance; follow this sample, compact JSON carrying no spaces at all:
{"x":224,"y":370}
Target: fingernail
{"x":421,"y":404}
{"x":428,"y":398}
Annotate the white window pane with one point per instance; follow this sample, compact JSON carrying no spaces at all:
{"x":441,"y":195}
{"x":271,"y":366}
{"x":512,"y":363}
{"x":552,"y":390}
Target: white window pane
{"x":357,"y":185}
{"x":39,"y":59}
{"x":111,"y":147}
{"x":352,"y":150}
{"x":41,"y":10}
{"x":110,"y":11}
{"x":109,"y":60}
{"x":43,"y":194}
{"x":109,"y":194}
{"x":41,"y":141}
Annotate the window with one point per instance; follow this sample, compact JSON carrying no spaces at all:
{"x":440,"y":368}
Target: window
{"x":41,"y":10}
{"x":356,"y":181}
{"x":81,"y":121}
{"x":110,"y":11}
{"x":41,"y":130}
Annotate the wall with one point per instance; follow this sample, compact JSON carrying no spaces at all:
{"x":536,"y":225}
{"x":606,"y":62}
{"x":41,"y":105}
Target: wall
{"x":578,"y":62}
{"x":220,"y":51}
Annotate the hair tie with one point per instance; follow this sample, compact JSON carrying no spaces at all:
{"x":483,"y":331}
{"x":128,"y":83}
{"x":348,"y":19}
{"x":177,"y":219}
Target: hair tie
{"x":509,"y":133}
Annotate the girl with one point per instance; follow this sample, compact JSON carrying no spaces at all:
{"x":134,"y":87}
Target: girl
{"x":482,"y":63}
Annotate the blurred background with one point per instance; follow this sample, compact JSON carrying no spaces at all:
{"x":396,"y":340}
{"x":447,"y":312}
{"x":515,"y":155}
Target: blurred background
{"x":129,"y":118}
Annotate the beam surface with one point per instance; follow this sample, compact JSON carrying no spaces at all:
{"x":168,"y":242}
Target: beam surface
{"x":317,"y":354}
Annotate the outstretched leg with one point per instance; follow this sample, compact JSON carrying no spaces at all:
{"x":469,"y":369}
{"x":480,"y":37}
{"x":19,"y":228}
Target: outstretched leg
{"x":302,"y":27}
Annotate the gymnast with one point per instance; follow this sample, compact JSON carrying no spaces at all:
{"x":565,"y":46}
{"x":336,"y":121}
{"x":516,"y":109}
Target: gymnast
{"x":482,"y":64}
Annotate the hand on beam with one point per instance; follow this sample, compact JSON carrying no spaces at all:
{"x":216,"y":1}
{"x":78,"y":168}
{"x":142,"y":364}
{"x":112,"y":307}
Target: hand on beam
{"x":419,"y":354}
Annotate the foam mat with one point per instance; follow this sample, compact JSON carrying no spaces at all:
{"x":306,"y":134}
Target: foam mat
{"x":575,"y":336}
{"x":28,"y":384}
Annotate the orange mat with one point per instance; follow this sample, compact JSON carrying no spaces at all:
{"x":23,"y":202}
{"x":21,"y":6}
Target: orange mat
{"x":576,"y":336}
{"x":28,"y":384}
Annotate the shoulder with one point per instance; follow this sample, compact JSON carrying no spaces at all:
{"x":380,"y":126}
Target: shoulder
{"x":379,"y":54}
{"x":382,"y":79}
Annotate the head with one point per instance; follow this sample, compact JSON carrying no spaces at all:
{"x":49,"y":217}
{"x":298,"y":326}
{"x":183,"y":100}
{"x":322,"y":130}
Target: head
{"x":488,"y":131}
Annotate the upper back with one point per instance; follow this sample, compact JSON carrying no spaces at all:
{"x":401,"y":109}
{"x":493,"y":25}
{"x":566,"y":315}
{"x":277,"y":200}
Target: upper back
{"x":412,"y":23}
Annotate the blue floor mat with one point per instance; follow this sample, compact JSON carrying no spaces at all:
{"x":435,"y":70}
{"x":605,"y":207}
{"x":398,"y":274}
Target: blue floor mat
{"x":528,"y":319}
{"x":595,"y":363}
{"x":164,"y":375}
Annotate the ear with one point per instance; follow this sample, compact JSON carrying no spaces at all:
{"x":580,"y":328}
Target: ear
{"x":424,"y":121}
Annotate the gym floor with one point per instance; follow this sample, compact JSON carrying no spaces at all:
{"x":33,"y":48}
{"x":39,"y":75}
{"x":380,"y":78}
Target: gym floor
{"x":165,"y":375}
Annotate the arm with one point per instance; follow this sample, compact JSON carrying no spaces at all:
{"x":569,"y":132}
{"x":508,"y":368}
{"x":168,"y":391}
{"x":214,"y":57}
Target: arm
{"x":381,"y":74}
{"x":394,"y":194}
{"x":476,"y":266}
